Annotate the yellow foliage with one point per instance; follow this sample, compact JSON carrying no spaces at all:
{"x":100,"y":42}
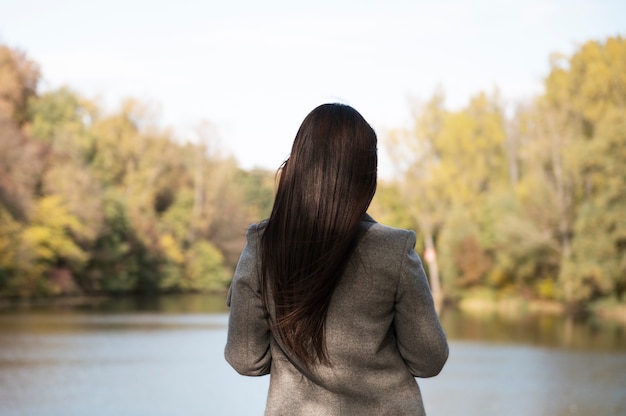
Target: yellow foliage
{"x":9,"y":233}
{"x":49,"y":235}
{"x":546,"y":288}
{"x":171,"y":249}
{"x":591,"y":81}
{"x":41,"y":240}
{"x":497,"y":277}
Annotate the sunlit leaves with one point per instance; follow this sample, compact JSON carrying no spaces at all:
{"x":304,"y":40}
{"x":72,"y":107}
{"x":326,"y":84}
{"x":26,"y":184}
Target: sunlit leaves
{"x":534,"y":204}
{"x":49,"y":234}
{"x":204,"y":268}
{"x":451,"y":161}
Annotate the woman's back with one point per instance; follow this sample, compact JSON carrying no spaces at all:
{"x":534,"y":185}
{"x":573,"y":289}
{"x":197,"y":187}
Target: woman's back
{"x":381,"y":331}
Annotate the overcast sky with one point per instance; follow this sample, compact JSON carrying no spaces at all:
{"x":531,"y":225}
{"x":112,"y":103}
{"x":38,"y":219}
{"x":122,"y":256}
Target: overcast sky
{"x":255,"y":69}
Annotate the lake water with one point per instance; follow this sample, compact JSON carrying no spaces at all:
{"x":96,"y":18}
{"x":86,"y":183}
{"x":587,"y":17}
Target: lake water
{"x":165,"y":357}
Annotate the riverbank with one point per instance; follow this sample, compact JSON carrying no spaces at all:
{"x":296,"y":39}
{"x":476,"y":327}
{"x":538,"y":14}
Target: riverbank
{"x":488,"y":302}
{"x":478,"y":303}
{"x":510,"y":306}
{"x":188,"y":303}
{"x":609,"y":310}
{"x":56,"y":301}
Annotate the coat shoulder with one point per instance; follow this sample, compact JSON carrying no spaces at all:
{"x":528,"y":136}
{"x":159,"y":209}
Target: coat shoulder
{"x":378,"y":233}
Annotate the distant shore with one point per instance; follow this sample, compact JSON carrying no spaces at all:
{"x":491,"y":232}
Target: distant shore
{"x":471,"y":304}
{"x":519,"y":306}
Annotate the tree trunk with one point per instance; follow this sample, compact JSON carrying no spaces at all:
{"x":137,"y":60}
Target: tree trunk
{"x":430,"y":256}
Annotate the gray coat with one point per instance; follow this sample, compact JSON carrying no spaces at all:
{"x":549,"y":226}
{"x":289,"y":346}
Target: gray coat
{"x":381,"y":332}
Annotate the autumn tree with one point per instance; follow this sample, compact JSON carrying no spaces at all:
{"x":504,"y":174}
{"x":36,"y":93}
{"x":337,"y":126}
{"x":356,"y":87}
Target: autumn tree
{"x":415,"y":155}
{"x":588,"y":92}
{"x":452,"y":161}
{"x":19,"y":77}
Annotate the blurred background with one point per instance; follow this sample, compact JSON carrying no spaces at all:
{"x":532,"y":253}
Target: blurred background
{"x":138,"y":140}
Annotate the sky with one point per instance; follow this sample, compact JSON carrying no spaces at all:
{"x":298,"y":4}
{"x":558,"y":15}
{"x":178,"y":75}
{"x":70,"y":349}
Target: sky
{"x":253,"y":70}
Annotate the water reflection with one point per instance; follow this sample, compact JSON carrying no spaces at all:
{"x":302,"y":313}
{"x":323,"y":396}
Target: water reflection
{"x":535,"y":329}
{"x":199,"y":311}
{"x":178,"y":304}
{"x":125,"y":313}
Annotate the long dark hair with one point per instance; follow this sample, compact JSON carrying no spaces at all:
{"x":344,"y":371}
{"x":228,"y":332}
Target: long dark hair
{"x":324,"y":189}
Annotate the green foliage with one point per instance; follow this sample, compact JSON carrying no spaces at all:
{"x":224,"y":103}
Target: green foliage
{"x":62,"y":118}
{"x":112,"y":266}
{"x":258,"y":189}
{"x":176,"y":219}
{"x":387,"y":207}
{"x":597,"y":266}
{"x":458,"y":229}
{"x":594,"y":88}
{"x":10,"y":232}
{"x":204,"y":268}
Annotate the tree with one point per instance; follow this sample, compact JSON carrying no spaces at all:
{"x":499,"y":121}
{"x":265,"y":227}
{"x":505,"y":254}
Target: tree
{"x":19,"y":77}
{"x":416,"y":158}
{"x":46,"y":254}
{"x":451,"y":161}
{"x":22,"y":163}
{"x":588,"y":94}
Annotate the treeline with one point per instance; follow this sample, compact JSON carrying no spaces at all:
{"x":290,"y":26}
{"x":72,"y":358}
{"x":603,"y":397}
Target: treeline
{"x":529,"y":202}
{"x":93,"y":202}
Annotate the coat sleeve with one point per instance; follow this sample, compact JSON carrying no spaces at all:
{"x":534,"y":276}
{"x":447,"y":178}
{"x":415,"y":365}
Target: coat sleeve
{"x":248,"y":340}
{"x":420,"y":337}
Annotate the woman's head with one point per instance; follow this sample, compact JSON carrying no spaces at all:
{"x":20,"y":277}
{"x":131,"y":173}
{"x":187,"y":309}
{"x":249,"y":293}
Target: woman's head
{"x":334,"y":157}
{"x":325,"y":188}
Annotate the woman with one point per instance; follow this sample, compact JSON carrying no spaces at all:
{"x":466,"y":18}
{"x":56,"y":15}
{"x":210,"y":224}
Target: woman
{"x":334,"y":306}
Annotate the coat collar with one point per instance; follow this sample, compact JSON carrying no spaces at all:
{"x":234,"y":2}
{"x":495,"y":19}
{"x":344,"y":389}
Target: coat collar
{"x":367,"y":218}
